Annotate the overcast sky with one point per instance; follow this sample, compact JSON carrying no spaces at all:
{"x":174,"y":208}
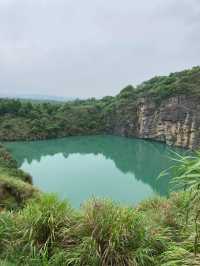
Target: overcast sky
{"x":93,"y":48}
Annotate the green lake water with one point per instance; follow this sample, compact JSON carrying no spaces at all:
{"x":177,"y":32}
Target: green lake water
{"x":78,"y":168}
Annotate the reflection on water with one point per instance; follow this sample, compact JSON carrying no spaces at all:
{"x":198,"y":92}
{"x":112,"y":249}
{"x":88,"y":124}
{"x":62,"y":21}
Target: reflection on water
{"x":77,"y":168}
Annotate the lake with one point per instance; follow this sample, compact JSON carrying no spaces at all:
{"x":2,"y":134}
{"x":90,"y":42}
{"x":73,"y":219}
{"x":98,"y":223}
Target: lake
{"x":78,"y":168}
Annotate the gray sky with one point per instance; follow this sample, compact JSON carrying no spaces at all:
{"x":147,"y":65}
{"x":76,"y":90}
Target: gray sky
{"x":86,"y":48}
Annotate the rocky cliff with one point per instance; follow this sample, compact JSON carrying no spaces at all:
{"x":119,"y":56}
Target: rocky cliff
{"x":175,"y":121}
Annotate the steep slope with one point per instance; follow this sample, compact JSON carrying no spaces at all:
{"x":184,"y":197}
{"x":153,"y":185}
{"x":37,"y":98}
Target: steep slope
{"x":175,"y":121}
{"x":164,"y":109}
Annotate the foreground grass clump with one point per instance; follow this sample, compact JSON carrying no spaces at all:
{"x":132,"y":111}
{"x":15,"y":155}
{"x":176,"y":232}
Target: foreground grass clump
{"x":102,"y":233}
{"x":49,"y":232}
{"x":38,"y":228}
{"x":110,"y":235}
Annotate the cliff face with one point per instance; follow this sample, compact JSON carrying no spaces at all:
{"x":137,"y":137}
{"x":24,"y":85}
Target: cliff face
{"x":175,"y":121}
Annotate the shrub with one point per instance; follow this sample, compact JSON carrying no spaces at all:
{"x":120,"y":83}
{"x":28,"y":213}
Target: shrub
{"x":40,"y":223}
{"x":110,"y":235}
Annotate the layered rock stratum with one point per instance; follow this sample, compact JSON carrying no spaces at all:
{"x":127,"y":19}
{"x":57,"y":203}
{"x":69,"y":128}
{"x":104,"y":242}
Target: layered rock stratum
{"x":176,"y":121}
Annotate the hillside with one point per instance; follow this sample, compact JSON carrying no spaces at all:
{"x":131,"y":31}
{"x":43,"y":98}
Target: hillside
{"x":163,"y":108}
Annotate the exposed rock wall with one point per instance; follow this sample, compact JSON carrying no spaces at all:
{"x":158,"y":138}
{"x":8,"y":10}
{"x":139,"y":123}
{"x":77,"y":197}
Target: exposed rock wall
{"x":175,"y":121}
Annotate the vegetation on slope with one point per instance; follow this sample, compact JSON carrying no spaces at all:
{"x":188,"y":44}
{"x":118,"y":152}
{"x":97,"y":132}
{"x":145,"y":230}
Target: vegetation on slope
{"x":25,"y":121}
{"x":159,"y":88}
{"x":21,"y":120}
{"x":15,"y":185}
{"x":123,"y":107}
{"x":186,"y":82}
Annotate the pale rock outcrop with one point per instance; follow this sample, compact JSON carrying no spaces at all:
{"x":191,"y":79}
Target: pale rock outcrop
{"x":175,"y":121}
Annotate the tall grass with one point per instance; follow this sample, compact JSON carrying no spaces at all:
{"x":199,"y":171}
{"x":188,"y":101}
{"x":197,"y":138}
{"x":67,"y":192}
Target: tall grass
{"x":6,"y":230}
{"x":187,"y":177}
{"x":107,"y":234}
{"x":41,"y":221}
{"x":49,"y":232}
{"x":114,"y":232}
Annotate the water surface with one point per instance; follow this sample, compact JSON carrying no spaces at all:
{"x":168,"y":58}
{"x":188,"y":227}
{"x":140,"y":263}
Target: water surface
{"x":78,"y":168}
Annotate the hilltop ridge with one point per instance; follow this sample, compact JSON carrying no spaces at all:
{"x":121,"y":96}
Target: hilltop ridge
{"x":164,"y":108}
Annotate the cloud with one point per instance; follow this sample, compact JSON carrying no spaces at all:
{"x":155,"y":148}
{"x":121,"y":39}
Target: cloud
{"x":94,"y":47}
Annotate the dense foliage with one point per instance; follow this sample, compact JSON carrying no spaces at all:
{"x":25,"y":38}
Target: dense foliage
{"x":23,"y":120}
{"x":158,"y":88}
{"x":186,"y":82}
